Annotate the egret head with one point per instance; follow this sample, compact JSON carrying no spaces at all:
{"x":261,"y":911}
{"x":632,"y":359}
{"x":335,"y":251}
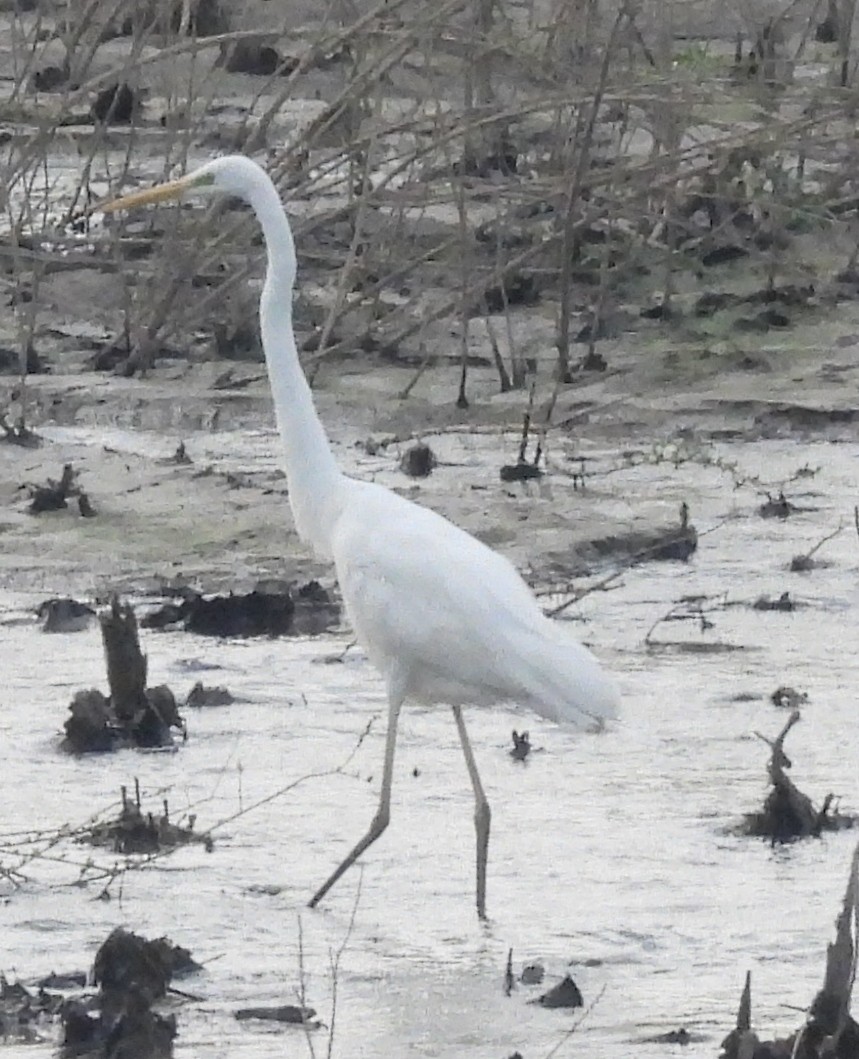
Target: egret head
{"x":233,"y":175}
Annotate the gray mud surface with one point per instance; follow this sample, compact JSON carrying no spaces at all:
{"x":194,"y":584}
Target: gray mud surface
{"x":614,"y":857}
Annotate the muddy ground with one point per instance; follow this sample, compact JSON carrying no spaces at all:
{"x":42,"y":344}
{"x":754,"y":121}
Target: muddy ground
{"x":213,"y":521}
{"x":645,"y":822}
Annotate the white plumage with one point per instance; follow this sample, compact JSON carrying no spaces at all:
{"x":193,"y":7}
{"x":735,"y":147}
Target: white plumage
{"x":450,"y":620}
{"x":444,"y":618}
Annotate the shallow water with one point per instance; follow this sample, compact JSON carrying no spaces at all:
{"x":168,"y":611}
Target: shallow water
{"x":610,"y":853}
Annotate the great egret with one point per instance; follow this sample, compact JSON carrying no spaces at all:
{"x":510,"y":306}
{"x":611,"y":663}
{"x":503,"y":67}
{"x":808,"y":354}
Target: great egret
{"x":444,"y":618}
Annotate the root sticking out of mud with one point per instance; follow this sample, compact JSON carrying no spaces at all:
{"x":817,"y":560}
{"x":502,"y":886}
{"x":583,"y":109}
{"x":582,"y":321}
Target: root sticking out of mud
{"x":521,"y":746}
{"x":697,"y":610}
{"x":829,"y":1030}
{"x":136,"y":831}
{"x":787,"y":813}
{"x":56,"y":493}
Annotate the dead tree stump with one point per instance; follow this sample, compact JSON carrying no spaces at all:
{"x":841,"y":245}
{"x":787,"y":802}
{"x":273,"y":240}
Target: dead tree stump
{"x":830,"y":1032}
{"x":133,"y":714}
{"x":126,"y":663}
{"x":54,"y":495}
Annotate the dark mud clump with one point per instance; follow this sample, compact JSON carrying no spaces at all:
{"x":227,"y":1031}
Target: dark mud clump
{"x":132,"y":715}
{"x":135,"y":831}
{"x":565,"y":994}
{"x":520,"y":471}
{"x":201,"y":695}
{"x":117,"y":104}
{"x":776,"y":507}
{"x":787,"y":813}
{"x":117,"y":1022}
{"x":65,"y":615}
{"x":272,"y":608}
{"x":132,"y":974}
{"x":255,"y":57}
{"x":788,"y":698}
{"x":782,"y":603}
{"x":419,"y":461}
{"x":127,"y":961}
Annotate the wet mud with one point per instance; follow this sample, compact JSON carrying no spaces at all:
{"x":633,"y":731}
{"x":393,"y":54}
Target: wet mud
{"x":649,"y":807}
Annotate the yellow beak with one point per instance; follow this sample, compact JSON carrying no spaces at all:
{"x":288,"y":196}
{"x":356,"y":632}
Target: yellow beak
{"x":160,"y":193}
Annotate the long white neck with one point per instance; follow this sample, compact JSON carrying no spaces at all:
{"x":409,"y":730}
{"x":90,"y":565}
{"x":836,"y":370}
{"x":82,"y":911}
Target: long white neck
{"x":315,"y":482}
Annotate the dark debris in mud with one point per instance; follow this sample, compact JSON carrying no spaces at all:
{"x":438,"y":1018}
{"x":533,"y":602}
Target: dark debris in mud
{"x":787,"y":813}
{"x":829,"y":1032}
{"x":292,"y":1014}
{"x":18,"y":434}
{"x":132,"y":715}
{"x":56,"y":493}
{"x":699,"y":611}
{"x":806,"y":562}
{"x":565,"y":994}
{"x":134,"y":831}
{"x":418,"y":461}
{"x":272,"y":608}
{"x":783,"y":603}
{"x":65,"y":615}
{"x":521,"y":746}
{"x":777,"y":507}
{"x":116,"y":104}
{"x":522,"y":471}
{"x":26,"y":1015}
{"x":680,"y":1036}
{"x":202,"y":695}
{"x":787,"y":697}
{"x":117,"y":1022}
{"x":132,"y":974}
{"x":532,"y":974}
{"x":677,"y":543}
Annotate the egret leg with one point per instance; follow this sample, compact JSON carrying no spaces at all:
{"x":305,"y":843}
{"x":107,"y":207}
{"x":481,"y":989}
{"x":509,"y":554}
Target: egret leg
{"x":482,"y":812}
{"x":383,"y":813}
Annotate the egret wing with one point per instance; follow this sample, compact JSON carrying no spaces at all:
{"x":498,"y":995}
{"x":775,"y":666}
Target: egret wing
{"x":429,"y":599}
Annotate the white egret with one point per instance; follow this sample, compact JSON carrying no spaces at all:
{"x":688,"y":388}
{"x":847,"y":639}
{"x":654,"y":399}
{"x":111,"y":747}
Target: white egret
{"x":444,"y":618}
